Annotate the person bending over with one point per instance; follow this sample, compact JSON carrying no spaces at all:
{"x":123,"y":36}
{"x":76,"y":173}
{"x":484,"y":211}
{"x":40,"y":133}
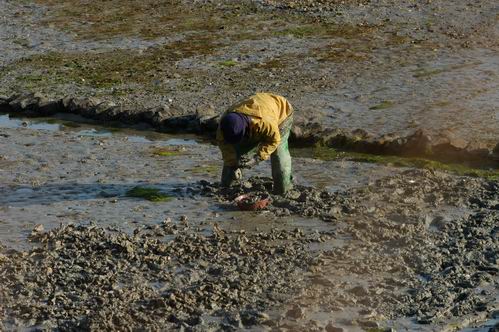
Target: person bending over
{"x":254,"y":130}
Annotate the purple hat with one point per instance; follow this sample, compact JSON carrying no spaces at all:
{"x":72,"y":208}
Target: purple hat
{"x":234,"y":126}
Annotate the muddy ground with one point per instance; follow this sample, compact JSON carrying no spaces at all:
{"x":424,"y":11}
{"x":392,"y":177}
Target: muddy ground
{"x":386,"y":67}
{"x":355,"y":246}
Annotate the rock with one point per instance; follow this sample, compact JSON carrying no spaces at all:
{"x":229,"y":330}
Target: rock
{"x":335,"y":138}
{"x":209,"y":123}
{"x":296,"y":133}
{"x":157,"y":115}
{"x":330,"y":327}
{"x":418,"y":144}
{"x":359,"y":291}
{"x":27,"y":102}
{"x":50,"y":107}
{"x":36,"y":232}
{"x":360,"y":134}
{"x":296,"y":312}
{"x":205,"y":111}
{"x":387,"y":139}
{"x":247,"y":185}
{"x":311,"y":132}
{"x":80,"y":105}
{"x":293,"y":194}
{"x":458,"y":143}
{"x":4,"y":103}
{"x":449,"y":145}
{"x":478,"y":150}
{"x":368,"y":324}
{"x":495,"y":152}
{"x":235,"y":321}
{"x":111,"y":112}
{"x":38,"y":229}
{"x":253,"y":317}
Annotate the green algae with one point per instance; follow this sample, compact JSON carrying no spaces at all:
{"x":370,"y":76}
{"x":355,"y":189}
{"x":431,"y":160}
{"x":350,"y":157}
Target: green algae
{"x":276,"y":63}
{"x":300,"y":31}
{"x":148,"y":193}
{"x":205,"y":169}
{"x":421,"y":73}
{"x":326,"y":153}
{"x":228,"y":63}
{"x":108,"y":19}
{"x":428,"y":72}
{"x":310,"y":28}
{"x":71,"y":124}
{"x":24,"y":42}
{"x":118,"y":68}
{"x":203,"y":31}
{"x":166,"y":152}
{"x":150,"y":19}
{"x":383,"y":105}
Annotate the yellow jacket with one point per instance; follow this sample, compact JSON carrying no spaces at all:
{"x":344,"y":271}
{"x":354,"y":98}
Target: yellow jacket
{"x":266,"y":112}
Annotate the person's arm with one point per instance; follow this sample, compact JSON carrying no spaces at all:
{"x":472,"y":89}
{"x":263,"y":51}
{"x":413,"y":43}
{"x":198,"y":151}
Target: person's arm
{"x":269,"y":136}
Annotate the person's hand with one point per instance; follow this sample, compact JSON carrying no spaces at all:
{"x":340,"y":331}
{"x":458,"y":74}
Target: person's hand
{"x":249,"y":162}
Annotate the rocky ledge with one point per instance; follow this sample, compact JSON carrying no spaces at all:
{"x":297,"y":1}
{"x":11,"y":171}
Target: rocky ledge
{"x":171,"y":118}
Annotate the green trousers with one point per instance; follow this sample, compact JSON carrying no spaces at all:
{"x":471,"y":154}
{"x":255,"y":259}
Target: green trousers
{"x":280,"y":160}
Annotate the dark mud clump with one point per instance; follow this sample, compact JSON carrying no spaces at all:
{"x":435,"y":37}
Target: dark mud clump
{"x":164,"y":277}
{"x":302,"y":200}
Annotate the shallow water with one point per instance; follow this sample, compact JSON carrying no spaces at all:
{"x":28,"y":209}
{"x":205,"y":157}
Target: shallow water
{"x":85,"y":127}
{"x":57,"y":170}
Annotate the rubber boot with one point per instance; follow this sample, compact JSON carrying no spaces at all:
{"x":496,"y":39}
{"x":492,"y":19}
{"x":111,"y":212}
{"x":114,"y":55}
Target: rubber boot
{"x":281,"y":162}
{"x":230,"y":175}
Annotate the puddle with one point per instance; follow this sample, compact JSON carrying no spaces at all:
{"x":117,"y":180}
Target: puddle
{"x":490,"y":325}
{"x":85,"y":127}
{"x":7,"y":122}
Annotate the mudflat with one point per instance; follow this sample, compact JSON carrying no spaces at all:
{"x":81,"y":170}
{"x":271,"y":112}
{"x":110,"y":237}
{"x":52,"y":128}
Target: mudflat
{"x":124,"y":226}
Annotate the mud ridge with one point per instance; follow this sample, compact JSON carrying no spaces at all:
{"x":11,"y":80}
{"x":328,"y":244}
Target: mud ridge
{"x":422,"y":188}
{"x":172,"y":118}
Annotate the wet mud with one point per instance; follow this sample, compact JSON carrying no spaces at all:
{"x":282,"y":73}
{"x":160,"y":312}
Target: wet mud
{"x":354,"y":246}
{"x":122,"y":227}
{"x":431,"y":234}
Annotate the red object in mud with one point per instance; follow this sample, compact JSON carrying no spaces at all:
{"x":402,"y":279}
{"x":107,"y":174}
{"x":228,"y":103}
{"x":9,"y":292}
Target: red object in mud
{"x":248,"y":203}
